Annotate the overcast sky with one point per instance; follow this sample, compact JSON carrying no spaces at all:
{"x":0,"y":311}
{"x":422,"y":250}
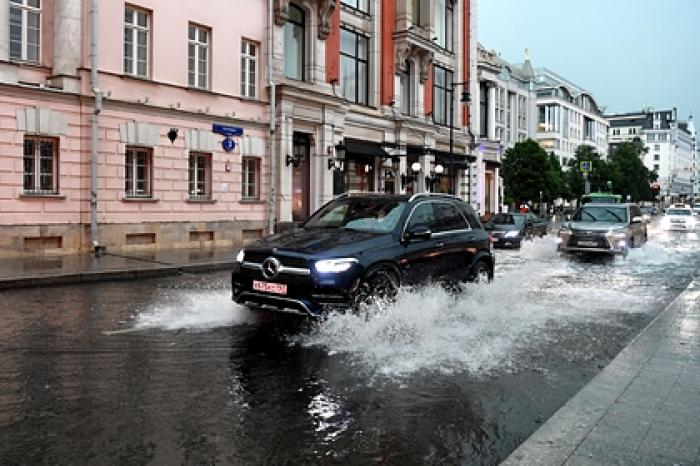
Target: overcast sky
{"x":627,"y":53}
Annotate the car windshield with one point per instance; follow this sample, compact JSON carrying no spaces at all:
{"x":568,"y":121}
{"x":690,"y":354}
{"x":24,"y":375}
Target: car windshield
{"x":601,"y":214}
{"x":380,"y":215}
{"x":508,"y":219}
{"x":679,"y":212}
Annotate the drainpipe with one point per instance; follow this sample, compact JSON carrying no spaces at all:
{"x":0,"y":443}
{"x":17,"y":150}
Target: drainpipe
{"x":94,"y":233}
{"x":271,"y":200}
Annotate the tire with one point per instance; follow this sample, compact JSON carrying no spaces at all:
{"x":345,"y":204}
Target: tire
{"x":378,"y":283}
{"x":480,"y":273}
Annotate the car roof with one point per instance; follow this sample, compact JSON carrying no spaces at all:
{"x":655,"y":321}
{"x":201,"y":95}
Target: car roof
{"x":398,"y":197}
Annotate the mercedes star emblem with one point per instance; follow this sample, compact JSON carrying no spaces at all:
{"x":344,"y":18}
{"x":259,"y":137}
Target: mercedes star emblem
{"x":270,"y":267}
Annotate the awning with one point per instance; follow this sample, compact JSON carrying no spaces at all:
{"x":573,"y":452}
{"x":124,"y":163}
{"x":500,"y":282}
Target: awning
{"x":459,"y":161}
{"x":358,"y":148}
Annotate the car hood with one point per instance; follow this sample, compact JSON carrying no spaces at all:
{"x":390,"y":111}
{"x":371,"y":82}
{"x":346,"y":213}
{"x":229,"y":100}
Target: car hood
{"x":502,"y":227}
{"x":596,"y":226}
{"x":313,"y":241}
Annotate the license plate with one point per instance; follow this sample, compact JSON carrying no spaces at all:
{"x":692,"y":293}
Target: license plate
{"x":267,"y":287}
{"x":590,"y":244}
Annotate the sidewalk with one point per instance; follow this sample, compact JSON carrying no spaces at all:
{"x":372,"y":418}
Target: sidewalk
{"x":79,"y":268}
{"x":643,"y":408}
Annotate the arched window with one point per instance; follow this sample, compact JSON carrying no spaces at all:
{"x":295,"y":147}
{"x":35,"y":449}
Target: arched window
{"x":294,"y":31}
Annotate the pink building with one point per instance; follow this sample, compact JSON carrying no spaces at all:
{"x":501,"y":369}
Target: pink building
{"x":166,"y":76}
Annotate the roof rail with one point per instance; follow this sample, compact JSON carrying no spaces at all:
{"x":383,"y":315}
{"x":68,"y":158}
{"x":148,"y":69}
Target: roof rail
{"x":362,"y":193}
{"x":437,"y":195}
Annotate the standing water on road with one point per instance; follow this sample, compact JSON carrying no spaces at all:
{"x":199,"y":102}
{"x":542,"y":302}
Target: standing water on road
{"x":169,"y":371}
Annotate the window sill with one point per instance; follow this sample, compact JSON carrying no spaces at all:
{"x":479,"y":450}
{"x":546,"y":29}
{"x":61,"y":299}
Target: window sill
{"x":245,"y":98}
{"x":199,"y":89}
{"x":58,"y":196}
{"x":137,"y":200}
{"x":200,"y":201}
{"x":135,"y":77}
{"x":252,"y":201}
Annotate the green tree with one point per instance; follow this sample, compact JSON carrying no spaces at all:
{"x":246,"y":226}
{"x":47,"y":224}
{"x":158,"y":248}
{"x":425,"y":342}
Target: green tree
{"x":632,"y":178}
{"x":555,"y":181}
{"x":524,"y":171}
{"x":599,"y":176}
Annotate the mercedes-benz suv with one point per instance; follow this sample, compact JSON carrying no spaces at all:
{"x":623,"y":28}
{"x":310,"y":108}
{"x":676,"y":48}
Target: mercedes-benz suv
{"x":359,"y":246}
{"x":603,"y":228}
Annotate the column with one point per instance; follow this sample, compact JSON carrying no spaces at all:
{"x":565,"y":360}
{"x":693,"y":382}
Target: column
{"x":66,"y":55}
{"x":491,"y":122}
{"x":497,"y":201}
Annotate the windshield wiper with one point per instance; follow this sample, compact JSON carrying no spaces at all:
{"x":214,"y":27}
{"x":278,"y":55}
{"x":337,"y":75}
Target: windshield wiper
{"x":614,"y":215}
{"x":590,"y":215}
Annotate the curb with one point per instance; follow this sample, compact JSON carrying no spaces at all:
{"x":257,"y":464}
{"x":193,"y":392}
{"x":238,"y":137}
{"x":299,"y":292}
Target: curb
{"x":558,"y":439}
{"x":112,"y":275}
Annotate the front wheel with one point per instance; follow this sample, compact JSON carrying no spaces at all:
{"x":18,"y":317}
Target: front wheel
{"x":480,"y":273}
{"x":378,"y":283}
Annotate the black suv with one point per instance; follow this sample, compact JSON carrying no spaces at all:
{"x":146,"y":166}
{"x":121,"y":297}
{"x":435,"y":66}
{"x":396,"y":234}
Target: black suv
{"x":359,"y":246}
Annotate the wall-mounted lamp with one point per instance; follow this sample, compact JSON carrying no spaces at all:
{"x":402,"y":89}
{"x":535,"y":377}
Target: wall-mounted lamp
{"x":336,"y":164}
{"x":434,"y":177}
{"x":294,"y":160}
{"x":415,"y":170}
{"x":172,"y":135}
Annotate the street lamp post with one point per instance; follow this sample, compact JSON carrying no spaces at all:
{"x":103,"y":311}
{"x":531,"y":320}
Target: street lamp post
{"x":466,"y":98}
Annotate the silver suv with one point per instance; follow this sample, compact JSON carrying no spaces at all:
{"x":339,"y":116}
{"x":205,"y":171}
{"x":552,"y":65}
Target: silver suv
{"x":603,"y":228}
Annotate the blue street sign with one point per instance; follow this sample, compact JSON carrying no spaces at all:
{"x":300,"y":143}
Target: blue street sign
{"x":228,"y":144}
{"x":586,"y":166}
{"x":226,"y":130}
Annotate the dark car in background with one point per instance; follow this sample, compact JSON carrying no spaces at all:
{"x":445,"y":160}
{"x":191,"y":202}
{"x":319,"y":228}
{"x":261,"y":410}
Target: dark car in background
{"x":358,"y":247}
{"x":510,"y":229}
{"x":603,"y":229}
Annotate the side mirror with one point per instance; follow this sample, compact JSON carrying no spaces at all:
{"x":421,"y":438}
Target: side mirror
{"x":638,"y":219}
{"x":419,"y":232}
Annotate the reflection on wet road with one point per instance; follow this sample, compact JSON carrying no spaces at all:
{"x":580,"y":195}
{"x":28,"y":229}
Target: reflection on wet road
{"x":169,"y":371}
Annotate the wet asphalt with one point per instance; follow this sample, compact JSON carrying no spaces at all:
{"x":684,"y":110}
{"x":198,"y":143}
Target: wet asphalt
{"x":169,"y":371}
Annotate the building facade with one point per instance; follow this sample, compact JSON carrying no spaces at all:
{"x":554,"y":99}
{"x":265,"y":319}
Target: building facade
{"x":505,"y":115}
{"x":670,"y":145}
{"x":568,"y":116}
{"x":365,"y":94}
{"x":165,"y":77}
{"x":213,"y":133}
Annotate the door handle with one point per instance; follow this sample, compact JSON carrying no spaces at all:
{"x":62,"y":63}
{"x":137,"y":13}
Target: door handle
{"x":440,"y":244}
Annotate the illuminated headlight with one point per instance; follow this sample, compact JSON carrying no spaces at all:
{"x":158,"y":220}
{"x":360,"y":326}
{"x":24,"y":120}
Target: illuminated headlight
{"x":617,"y":235}
{"x":334,"y":265}
{"x":559,"y":240}
{"x":565,"y":232}
{"x":511,"y":234}
{"x":622,"y":244}
{"x":241,"y":256}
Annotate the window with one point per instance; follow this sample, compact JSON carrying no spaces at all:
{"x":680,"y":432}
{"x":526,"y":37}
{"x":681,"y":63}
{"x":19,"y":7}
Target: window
{"x":416,"y":13}
{"x":136,"y":23}
{"x":200,"y":176}
{"x":657,"y":157}
{"x":448,"y":218}
{"x":294,"y":31}
{"x":251,"y":178}
{"x":40,"y":165}
{"x":362,"y":5}
{"x":442,"y":95}
{"x":405,"y":90}
{"x":657,"y":146}
{"x":198,"y":57}
{"x":422,"y":216}
{"x":656,"y":167}
{"x":137,"y":181}
{"x":249,"y":68}
{"x":25,"y":30}
{"x":353,"y":66}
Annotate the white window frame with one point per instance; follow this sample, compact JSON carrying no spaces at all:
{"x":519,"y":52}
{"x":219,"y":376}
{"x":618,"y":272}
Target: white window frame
{"x":36,"y":172}
{"x":201,"y":47}
{"x":134,"y":192}
{"x":196,"y":158}
{"x":245,"y":175}
{"x":133,"y":29}
{"x":249,"y":60}
{"x":25,"y":9}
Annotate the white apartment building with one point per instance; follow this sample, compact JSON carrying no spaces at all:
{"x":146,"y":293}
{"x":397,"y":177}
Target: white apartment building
{"x":568,"y":116}
{"x":671,"y":147}
{"x":505,"y":114}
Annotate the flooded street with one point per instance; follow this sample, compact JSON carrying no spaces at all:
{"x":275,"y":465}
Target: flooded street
{"x":170,"y":371}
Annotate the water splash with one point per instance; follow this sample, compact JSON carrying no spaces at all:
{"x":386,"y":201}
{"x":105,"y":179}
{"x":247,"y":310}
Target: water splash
{"x":194,"y":310}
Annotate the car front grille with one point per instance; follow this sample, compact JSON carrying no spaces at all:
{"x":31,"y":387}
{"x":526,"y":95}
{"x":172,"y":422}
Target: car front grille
{"x":588,"y":240}
{"x":288,"y":261}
